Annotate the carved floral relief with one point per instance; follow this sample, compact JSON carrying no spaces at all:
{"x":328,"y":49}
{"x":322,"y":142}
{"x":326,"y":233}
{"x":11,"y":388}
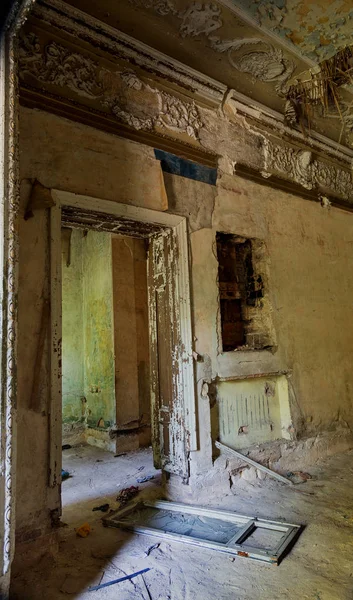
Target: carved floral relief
{"x":127,"y":97}
{"x":299,"y":166}
{"x":60,"y":66}
{"x":161,"y":7}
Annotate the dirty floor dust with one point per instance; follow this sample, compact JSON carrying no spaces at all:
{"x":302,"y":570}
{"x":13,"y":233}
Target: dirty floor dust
{"x":319,"y":567}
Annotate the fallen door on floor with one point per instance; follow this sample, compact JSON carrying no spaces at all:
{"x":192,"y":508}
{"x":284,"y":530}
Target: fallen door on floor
{"x":220,"y":530}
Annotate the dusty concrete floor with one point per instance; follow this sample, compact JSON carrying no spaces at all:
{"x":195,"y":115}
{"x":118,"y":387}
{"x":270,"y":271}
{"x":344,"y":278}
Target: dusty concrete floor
{"x":319,"y":567}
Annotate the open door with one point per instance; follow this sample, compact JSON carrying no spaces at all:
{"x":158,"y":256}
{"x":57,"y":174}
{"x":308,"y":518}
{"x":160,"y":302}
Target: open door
{"x":172,"y":385}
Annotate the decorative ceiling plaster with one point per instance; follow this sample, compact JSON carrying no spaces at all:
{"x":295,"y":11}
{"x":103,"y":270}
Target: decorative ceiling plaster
{"x":318,"y":28}
{"x":218,"y":49}
{"x":246,"y":54}
{"x":208,"y":37}
{"x":79,"y":66}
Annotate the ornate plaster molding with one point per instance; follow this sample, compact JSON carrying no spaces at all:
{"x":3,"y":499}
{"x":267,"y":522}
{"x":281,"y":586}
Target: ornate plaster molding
{"x":254,"y":111}
{"x":199,"y":19}
{"x":81,"y":25}
{"x":161,"y":7}
{"x":301,"y":167}
{"x":266,"y":64}
{"x":120,"y":92}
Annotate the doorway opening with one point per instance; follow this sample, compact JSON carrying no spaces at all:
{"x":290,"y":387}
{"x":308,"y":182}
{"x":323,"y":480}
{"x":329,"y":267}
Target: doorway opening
{"x":105,"y":347}
{"x":121,"y":360}
{"x":106,"y":406}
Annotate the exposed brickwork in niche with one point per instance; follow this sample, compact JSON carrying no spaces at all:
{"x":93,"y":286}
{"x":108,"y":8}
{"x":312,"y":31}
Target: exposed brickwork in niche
{"x":244,"y":306}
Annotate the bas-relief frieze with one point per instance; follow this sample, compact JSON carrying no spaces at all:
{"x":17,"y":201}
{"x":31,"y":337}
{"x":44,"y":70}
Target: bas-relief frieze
{"x":300,"y":167}
{"x":133,"y":101}
{"x":126,"y":96}
{"x":254,"y":56}
{"x":57,"y":14}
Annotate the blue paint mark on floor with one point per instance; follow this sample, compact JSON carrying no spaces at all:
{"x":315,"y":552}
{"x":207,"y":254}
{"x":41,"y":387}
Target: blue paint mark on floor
{"x":176,"y":165}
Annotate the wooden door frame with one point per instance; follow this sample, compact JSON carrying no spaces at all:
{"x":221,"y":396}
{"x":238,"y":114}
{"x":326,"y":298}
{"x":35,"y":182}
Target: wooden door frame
{"x":178,"y":226}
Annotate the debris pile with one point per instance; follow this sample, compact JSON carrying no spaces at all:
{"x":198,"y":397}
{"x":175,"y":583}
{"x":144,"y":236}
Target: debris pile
{"x":319,"y":87}
{"x":127,"y":494}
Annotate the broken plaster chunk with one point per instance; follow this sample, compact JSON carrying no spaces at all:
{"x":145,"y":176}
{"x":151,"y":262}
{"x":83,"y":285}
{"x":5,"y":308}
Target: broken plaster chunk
{"x":204,"y":390}
{"x":325,"y":202}
{"x":249,"y":474}
{"x":197,"y":357}
{"x":226,"y":165}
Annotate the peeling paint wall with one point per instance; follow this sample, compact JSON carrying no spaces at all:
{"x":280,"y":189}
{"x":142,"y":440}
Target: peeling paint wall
{"x":34,"y":499}
{"x":309,"y":285}
{"x":73,"y":405}
{"x":309,"y":282}
{"x":68,"y":156}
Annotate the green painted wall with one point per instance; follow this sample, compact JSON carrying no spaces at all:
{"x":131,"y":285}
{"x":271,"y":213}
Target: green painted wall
{"x":72,"y":330}
{"x":88,"y":333}
{"x":99,"y":362}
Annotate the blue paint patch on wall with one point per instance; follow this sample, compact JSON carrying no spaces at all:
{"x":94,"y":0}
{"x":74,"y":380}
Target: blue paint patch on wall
{"x":186,"y":168}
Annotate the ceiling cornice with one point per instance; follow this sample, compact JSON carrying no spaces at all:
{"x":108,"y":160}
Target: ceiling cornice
{"x":88,"y":28}
{"x":205,"y":89}
{"x":267,"y":116}
{"x":75,"y":66}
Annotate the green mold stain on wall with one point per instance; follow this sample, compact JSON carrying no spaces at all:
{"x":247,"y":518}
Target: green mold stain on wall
{"x":88,"y":344}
